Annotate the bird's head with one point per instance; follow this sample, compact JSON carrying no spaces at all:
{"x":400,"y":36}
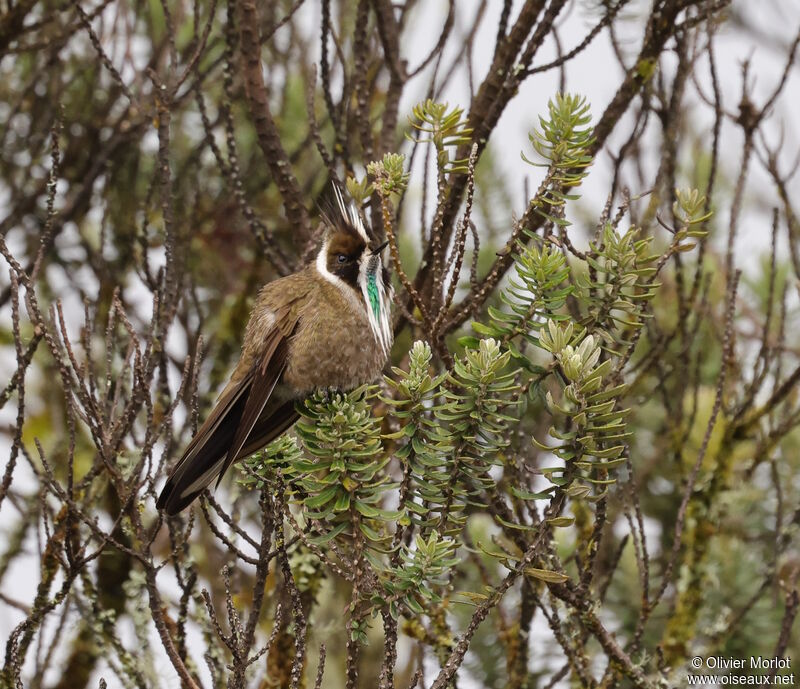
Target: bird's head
{"x":350,"y":247}
{"x":351,"y":256}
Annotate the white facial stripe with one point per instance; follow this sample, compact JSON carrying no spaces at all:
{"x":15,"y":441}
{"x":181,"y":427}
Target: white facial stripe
{"x":322,"y":269}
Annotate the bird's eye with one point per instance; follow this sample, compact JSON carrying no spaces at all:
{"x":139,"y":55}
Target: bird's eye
{"x":341,"y":258}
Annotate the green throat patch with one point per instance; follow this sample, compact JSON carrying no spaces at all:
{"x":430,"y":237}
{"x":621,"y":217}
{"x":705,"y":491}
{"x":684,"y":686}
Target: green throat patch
{"x":372,"y":291}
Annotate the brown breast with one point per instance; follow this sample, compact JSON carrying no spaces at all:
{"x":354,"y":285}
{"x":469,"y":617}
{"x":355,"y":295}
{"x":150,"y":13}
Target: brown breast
{"x":334,"y":345}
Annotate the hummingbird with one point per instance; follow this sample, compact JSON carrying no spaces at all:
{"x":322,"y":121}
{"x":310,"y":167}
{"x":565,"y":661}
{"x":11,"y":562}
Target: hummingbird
{"x":325,"y":326}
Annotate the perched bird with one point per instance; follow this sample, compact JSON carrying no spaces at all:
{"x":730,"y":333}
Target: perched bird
{"x":326,"y":326}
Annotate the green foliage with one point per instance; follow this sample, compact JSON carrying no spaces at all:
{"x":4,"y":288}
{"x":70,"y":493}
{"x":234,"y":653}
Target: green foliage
{"x":455,"y":429}
{"x":359,"y":190}
{"x":480,"y":391}
{"x":425,"y":445}
{"x":539,"y":291}
{"x":445,"y":129}
{"x":422,"y":568}
{"x":259,"y":470}
{"x":618,"y":284}
{"x":564,"y":138}
{"x":388,"y":174}
{"x":562,"y":141}
{"x":595,"y":439}
{"x":344,"y":474}
{"x":689,"y":208}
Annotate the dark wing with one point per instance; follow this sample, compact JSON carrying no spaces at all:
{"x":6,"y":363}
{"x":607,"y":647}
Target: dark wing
{"x":268,"y":427}
{"x":263,"y":382}
{"x":242,"y":411}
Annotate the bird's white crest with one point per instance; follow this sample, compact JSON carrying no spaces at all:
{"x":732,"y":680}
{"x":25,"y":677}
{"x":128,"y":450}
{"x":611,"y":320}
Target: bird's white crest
{"x":350,"y":214}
